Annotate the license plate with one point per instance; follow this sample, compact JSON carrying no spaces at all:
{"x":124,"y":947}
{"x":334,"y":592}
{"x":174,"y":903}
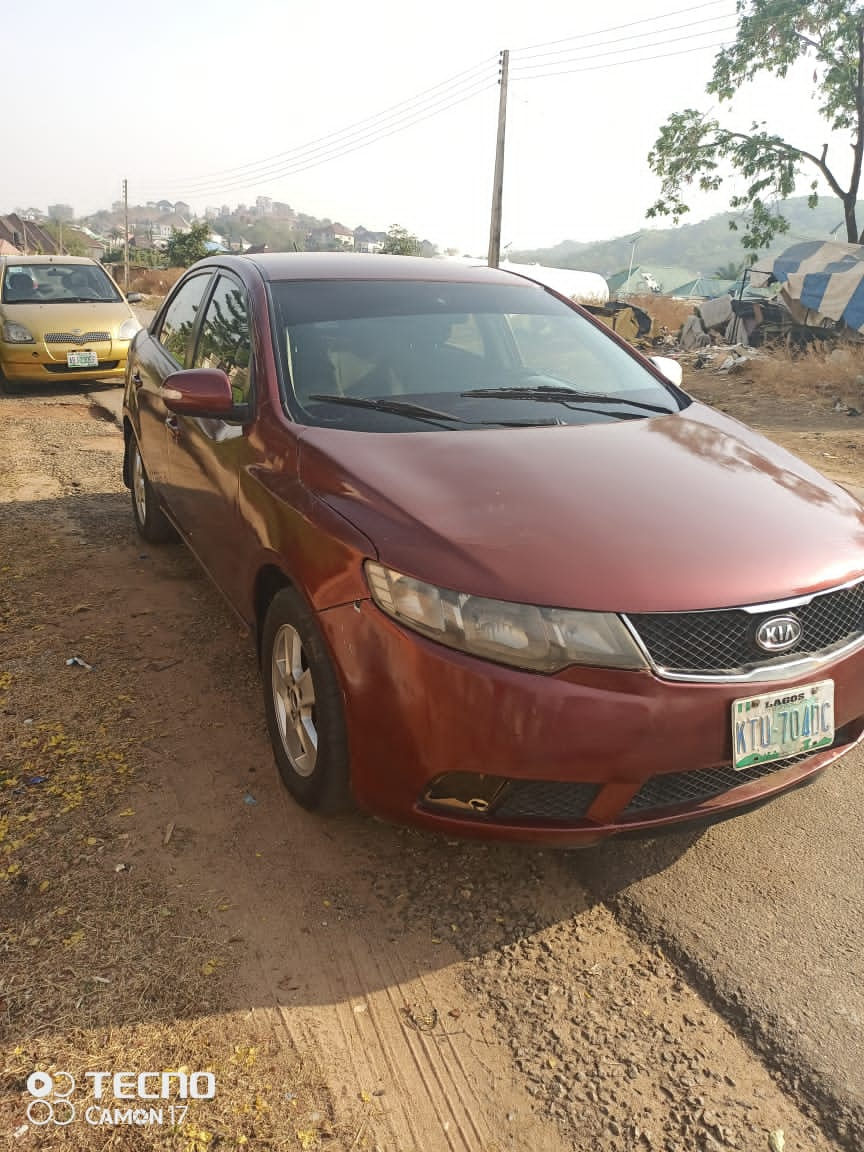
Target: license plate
{"x":782,"y":723}
{"x":82,"y":360}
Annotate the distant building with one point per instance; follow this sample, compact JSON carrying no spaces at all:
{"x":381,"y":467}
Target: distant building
{"x":211,"y":213}
{"x":26,"y":236}
{"x":225,"y":210}
{"x":92,"y":245}
{"x":264,"y":204}
{"x":329,"y":234}
{"x":366,"y":241}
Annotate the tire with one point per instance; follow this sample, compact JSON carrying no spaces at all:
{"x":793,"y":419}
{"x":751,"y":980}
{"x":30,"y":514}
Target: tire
{"x":152,"y":523}
{"x":303,"y":704}
{"x":7,"y":388}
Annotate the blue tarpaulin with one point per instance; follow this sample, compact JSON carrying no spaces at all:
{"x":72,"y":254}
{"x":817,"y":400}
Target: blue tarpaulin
{"x":824,"y":277}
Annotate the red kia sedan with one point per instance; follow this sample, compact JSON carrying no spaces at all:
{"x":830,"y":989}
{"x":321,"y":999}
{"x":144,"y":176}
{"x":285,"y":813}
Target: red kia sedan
{"x":505,"y":577}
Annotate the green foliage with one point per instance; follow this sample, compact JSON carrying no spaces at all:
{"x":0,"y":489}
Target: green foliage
{"x":400,"y":242}
{"x":730,"y":271}
{"x":72,"y":245}
{"x":696,"y":150}
{"x":185,"y":248}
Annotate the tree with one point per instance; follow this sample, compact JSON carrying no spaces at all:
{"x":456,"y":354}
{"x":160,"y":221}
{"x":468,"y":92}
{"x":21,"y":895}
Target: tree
{"x":729,"y":271}
{"x":771,"y":37}
{"x":185,"y":248}
{"x":73,"y":245}
{"x":400,"y":242}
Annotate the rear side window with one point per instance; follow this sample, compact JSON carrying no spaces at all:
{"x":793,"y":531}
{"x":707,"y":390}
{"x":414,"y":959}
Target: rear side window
{"x":224,"y":341}
{"x":179,"y":320}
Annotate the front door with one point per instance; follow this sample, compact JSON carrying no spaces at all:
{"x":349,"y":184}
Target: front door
{"x":157,"y":357}
{"x":206,"y":457}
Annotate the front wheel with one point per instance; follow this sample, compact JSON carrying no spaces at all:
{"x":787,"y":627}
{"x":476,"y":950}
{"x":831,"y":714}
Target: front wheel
{"x":303,"y":702}
{"x":152,"y":523}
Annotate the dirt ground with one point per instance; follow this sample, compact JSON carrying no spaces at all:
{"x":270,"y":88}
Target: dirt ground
{"x":164,"y":905}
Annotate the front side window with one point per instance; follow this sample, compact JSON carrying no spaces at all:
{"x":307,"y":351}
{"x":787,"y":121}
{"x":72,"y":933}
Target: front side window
{"x":224,"y":341}
{"x":57,"y":283}
{"x":175,"y":332}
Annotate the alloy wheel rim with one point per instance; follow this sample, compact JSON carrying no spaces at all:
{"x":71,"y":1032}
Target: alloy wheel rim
{"x":294,"y":701}
{"x":138,"y":485}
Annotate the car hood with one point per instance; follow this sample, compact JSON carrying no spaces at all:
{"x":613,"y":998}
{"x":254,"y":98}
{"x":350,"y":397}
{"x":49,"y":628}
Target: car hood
{"x":59,"y":317}
{"x":680,"y":512}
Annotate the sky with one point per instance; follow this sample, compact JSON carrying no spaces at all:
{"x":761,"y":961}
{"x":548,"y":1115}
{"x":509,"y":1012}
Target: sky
{"x":373,"y":115}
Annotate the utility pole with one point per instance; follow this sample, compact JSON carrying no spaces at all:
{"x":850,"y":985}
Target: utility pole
{"x":126,"y":237}
{"x":498,"y":183}
{"x":60,"y":236}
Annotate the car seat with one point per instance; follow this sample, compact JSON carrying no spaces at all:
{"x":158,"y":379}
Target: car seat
{"x":18,"y":287}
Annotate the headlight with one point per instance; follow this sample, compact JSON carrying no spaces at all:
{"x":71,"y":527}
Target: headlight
{"x":128,"y":329}
{"x":16,"y":333}
{"x":526,"y":636}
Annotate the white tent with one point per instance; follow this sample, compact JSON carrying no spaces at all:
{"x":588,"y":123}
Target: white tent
{"x":589,"y":287}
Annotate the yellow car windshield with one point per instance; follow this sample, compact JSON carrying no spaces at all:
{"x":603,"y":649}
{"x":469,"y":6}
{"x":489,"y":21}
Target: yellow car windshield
{"x":56,"y":284}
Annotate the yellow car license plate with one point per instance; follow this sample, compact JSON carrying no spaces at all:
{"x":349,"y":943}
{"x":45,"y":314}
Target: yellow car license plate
{"x":782,"y":723}
{"x":82,"y":360}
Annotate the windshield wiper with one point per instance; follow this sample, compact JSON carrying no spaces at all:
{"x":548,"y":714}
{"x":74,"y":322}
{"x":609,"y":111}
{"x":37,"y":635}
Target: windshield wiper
{"x":418,"y":411}
{"x":569,"y":396}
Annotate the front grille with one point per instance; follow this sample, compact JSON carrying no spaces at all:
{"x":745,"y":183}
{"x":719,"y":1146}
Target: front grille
{"x":76,"y":337}
{"x":724,"y":641}
{"x":545,"y":800}
{"x":64,"y":369}
{"x":677,"y":788}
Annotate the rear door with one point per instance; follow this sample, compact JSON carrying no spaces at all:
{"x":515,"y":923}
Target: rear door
{"x":205,"y":457}
{"x":166,"y":349}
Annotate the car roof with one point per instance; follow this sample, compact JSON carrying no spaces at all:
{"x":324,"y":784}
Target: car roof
{"x":274,"y":266}
{"x":16,"y":260}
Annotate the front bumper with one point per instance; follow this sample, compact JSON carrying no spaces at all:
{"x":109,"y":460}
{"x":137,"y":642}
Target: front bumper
{"x":39,"y":364}
{"x":584,"y":749}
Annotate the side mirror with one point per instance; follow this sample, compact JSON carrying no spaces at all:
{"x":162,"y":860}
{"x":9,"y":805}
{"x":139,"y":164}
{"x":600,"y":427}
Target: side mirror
{"x":670,"y":368}
{"x":202,"y":392}
{"x":134,"y":297}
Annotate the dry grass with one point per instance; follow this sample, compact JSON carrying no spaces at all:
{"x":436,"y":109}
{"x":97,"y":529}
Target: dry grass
{"x":812,"y":374}
{"x":155,"y":281}
{"x":102,"y":967}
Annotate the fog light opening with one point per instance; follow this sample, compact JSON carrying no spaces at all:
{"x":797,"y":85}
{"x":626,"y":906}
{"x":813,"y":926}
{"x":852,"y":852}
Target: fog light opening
{"x":469,"y":793}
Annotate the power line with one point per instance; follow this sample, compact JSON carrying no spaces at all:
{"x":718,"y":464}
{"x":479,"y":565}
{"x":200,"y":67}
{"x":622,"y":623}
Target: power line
{"x":619,"y":39}
{"x":337,"y":152}
{"x":618,"y":63}
{"x":518,"y":69}
{"x":617,"y":27}
{"x":415,"y":104}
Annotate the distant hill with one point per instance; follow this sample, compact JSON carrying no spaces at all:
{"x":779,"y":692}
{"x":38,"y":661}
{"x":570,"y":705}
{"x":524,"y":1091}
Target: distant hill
{"x":693,"y":249}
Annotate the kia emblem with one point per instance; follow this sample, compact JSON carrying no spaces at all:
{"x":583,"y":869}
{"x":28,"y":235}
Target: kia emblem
{"x":778,"y":634}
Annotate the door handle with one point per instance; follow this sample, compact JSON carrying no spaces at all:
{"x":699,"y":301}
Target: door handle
{"x":136,"y":378}
{"x":172,"y":426}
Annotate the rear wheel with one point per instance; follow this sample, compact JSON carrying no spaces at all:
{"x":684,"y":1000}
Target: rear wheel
{"x":303,"y":702}
{"x":152,"y":523}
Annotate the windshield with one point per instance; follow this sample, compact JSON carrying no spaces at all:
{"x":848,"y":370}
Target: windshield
{"x":56,"y":284}
{"x":363,"y":354}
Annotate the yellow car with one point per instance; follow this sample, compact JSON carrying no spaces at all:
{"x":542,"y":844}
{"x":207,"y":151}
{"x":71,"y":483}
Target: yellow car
{"x":62,"y":318}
